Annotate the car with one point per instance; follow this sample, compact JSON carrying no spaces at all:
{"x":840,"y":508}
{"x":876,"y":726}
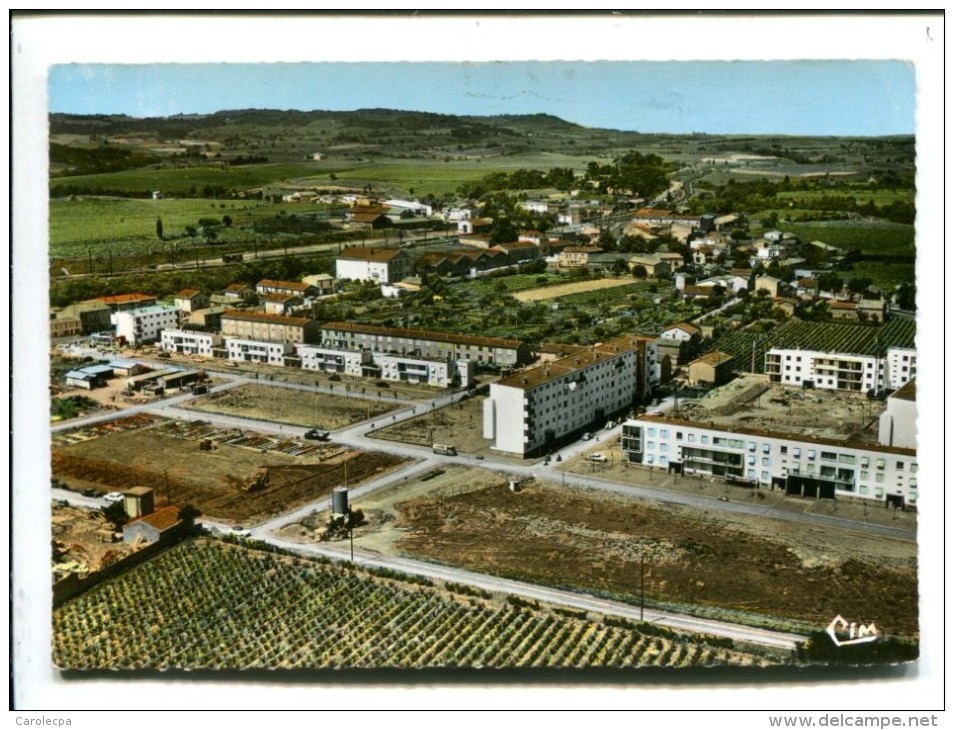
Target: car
{"x":114,"y":497}
{"x":597,"y":457}
{"x":587,"y":436}
{"x":317,"y":434}
{"x":239,"y":531}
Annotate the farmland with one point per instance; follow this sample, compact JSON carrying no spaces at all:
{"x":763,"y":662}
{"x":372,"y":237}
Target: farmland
{"x":578,"y":287}
{"x":246,"y":609}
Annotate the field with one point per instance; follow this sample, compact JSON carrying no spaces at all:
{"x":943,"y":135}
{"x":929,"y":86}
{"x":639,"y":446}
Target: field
{"x":220,"y":481}
{"x":247,"y":609}
{"x":870,"y":238}
{"x":748,"y":569}
{"x":577,"y":287}
{"x":460,"y":424}
{"x":297,"y":407}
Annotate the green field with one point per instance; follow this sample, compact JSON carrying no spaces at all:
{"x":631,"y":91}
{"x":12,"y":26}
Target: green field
{"x":888,"y":239}
{"x":247,"y":609}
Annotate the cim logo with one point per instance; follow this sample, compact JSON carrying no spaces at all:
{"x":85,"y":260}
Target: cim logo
{"x":844,"y":633}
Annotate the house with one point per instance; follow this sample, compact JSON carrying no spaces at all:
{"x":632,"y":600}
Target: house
{"x":474,"y":226}
{"x":575,"y":256}
{"x":415,"y":207}
{"x":679,"y":342}
{"x":808,"y":466}
{"x":288,"y":288}
{"x":380,"y":265}
{"x":534,"y":206}
{"x":771,"y":284}
{"x":787,"y":305}
{"x":518,"y":252}
{"x":162,"y":524}
{"x":713,"y":369}
{"x":369,"y":221}
{"x":80,"y":318}
{"x":398,"y":289}
{"x":872,"y":310}
{"x":237,"y":292}
{"x":323,"y":284}
{"x":432,"y":371}
{"x":333,"y":359}
{"x":842,"y":310}
{"x":126,"y":368}
{"x":651,"y":263}
{"x":124,"y":302}
{"x":282,"y":303}
{"x":190,"y":300}
{"x":206,"y":319}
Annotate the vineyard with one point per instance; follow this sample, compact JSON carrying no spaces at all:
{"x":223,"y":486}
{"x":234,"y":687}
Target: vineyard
{"x":247,"y":609}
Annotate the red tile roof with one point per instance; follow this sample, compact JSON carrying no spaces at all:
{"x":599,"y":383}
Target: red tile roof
{"x":126,"y":298}
{"x":162,"y":519}
{"x":262,"y":317}
{"x":381,"y":255}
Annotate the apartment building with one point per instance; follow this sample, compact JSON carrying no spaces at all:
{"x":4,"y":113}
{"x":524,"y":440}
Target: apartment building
{"x":189,"y":342}
{"x":842,"y":371}
{"x":813,"y":467}
{"x":536,"y":410}
{"x":143,"y":325}
{"x":334,"y":360}
{"x":493,"y":351}
{"x":424,"y":370}
{"x":261,"y":351}
{"x":898,"y":425}
{"x":273,"y":327}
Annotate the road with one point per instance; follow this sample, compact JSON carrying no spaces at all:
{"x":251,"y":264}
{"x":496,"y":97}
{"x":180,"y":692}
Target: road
{"x":424,"y":460}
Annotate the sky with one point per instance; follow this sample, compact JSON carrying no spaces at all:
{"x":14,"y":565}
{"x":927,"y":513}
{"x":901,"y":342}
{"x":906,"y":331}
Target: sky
{"x":862,"y":97}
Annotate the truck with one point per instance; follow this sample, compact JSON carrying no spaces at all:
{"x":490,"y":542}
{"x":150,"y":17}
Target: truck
{"x":445,"y":449}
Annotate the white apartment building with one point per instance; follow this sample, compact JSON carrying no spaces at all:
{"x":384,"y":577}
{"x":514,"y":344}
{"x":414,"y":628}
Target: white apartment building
{"x":334,"y":360}
{"x":842,"y":371}
{"x":380,"y":265}
{"x":536,"y":410}
{"x":898,"y":425}
{"x":424,"y":370}
{"x":813,"y":467}
{"x":261,"y":351}
{"x":145,"y":324}
{"x":190,"y":343}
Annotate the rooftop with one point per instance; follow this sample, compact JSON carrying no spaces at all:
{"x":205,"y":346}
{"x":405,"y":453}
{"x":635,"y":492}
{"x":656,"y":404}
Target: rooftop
{"x":713,"y":358}
{"x":434,"y":335}
{"x":262,"y":317}
{"x":380,"y":255}
{"x":126,"y":298}
{"x":908,"y":391}
{"x":162,"y":519}
{"x":276,"y":284}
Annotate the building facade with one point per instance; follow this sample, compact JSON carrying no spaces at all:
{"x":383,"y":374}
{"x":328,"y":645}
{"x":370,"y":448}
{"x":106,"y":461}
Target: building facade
{"x":380,"y":265}
{"x":333,"y":360}
{"x":423,"y":370}
{"x":898,"y":425}
{"x":261,"y":351}
{"x":187,"y":342}
{"x":492,"y":351}
{"x":143,"y":325}
{"x":842,"y":371}
{"x":806,"y":466}
{"x":536,"y":410}
{"x":277,"y":328}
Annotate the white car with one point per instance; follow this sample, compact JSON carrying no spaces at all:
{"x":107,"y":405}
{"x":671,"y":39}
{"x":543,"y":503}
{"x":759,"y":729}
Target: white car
{"x":601,"y":458}
{"x":114,"y":497}
{"x":239,"y":531}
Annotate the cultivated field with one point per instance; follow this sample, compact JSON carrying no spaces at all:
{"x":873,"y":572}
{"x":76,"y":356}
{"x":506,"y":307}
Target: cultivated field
{"x":247,"y":609}
{"x":297,"y":407}
{"x":562,"y":290}
{"x":238,"y":476}
{"x":753,"y":570}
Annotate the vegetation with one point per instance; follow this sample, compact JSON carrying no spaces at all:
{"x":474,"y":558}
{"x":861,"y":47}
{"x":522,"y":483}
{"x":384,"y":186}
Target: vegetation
{"x":315,"y":615}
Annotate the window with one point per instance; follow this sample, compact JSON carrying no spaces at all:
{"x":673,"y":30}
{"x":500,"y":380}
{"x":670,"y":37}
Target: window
{"x":650,"y":431}
{"x":766,"y":461}
{"x":664,"y":433}
{"x":796,"y":452}
{"x":864,"y":461}
{"x":811,"y":453}
{"x":751,"y":446}
{"x":751,"y":460}
{"x":879,"y":478}
{"x":899,"y":465}
{"x":650,"y":445}
{"x":765,"y":476}
{"x":783,"y":449}
{"x":678,"y":435}
{"x":664,"y":448}
{"x":829,"y":455}
{"x":705,"y":439}
{"x":880,"y":464}
{"x":692,"y":438}
{"x":864,"y":476}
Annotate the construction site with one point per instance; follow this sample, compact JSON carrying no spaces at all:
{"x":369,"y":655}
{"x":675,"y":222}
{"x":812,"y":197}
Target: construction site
{"x":224,"y":473}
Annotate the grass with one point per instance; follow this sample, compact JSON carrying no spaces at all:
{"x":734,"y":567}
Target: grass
{"x":888,"y":239}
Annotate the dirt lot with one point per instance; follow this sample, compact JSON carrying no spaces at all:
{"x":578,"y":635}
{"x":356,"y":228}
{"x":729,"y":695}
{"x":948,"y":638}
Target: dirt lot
{"x":460,"y":424}
{"x":729,"y":565}
{"x":296,"y":407}
{"x":243,"y":477}
{"x":752,"y":402}
{"x":84,"y":538}
{"x":561,"y":290}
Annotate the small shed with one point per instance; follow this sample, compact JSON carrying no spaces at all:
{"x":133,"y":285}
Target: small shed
{"x":138,"y":502}
{"x":713,"y":368}
{"x":153,"y":527}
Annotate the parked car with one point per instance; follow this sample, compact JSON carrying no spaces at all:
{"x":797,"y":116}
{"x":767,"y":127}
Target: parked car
{"x":597,"y":457}
{"x":316,"y":434}
{"x":587,"y":436}
{"x":239,"y":531}
{"x":114,"y":497}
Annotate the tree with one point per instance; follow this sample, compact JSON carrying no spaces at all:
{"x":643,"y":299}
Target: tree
{"x":191,"y":231}
{"x":859,"y":284}
{"x":159,"y":228}
{"x":639,"y":271}
{"x":227,"y":221}
{"x":115,"y":513}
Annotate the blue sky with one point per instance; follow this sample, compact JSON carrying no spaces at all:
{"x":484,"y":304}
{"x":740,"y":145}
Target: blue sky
{"x":870,"y":97}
